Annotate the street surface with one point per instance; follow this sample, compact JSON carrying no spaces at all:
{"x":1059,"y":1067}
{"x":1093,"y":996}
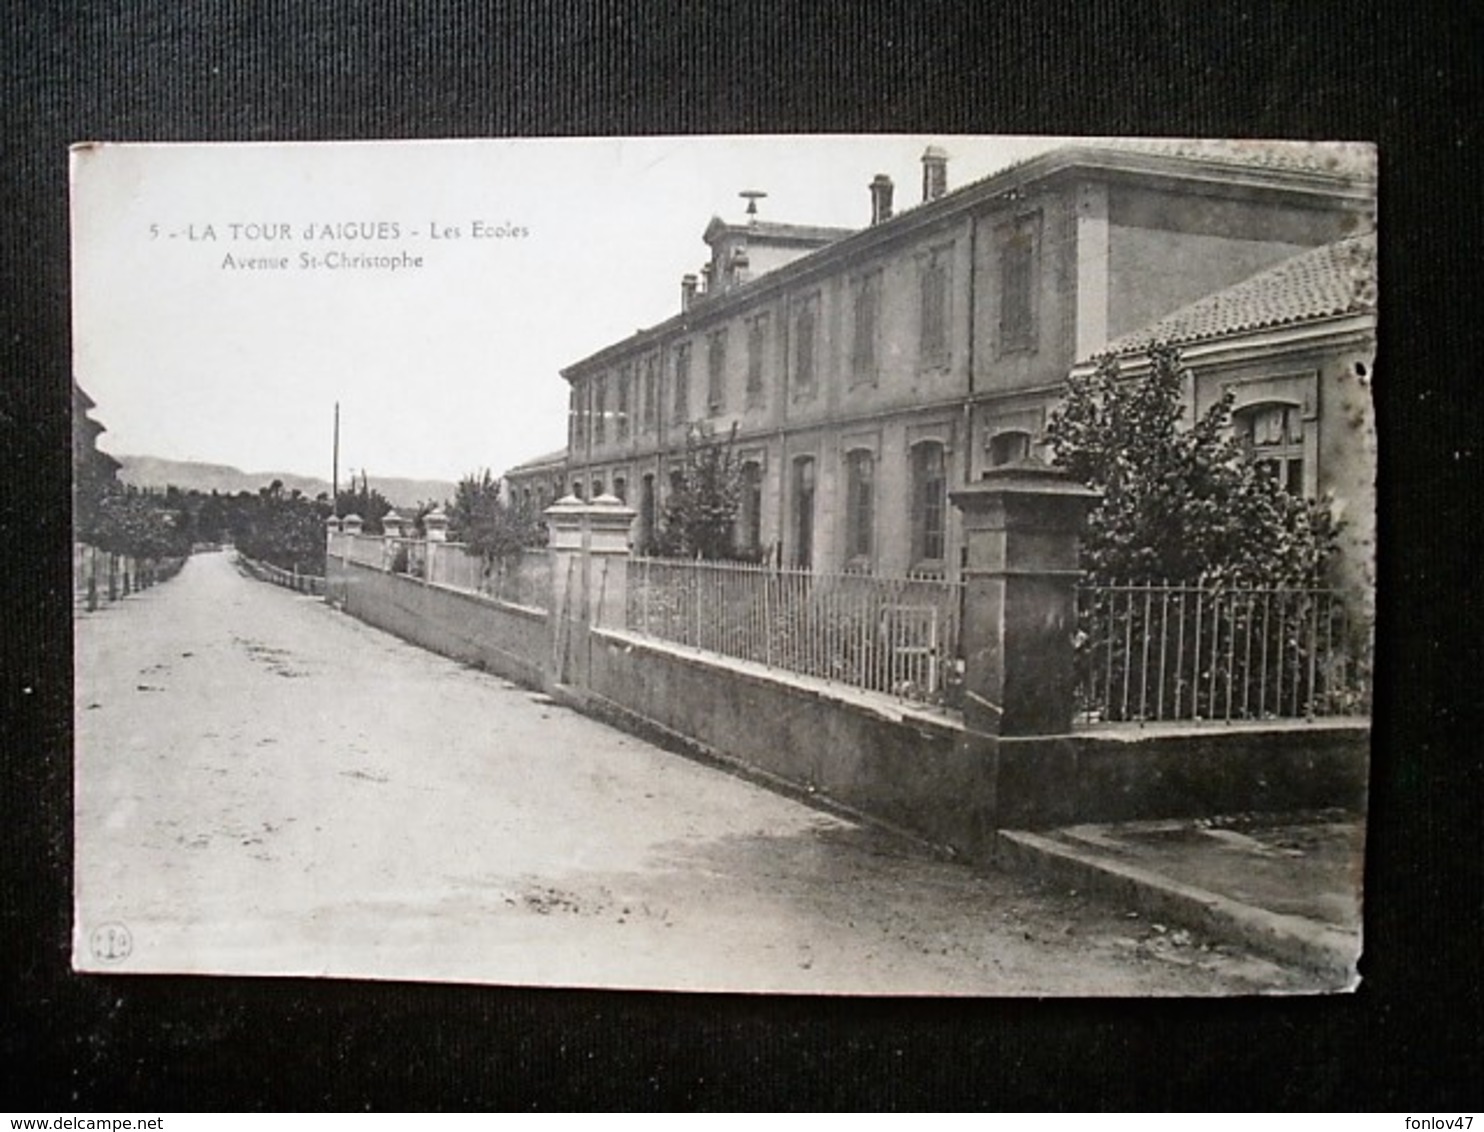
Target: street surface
{"x":267,"y":786}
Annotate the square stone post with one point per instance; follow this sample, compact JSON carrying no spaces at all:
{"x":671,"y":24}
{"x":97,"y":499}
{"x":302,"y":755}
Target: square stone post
{"x":1022,"y":529}
{"x":435,"y":530}
{"x":589,"y":577}
{"x":391,"y":538}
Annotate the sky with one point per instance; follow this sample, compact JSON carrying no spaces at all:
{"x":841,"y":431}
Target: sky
{"x":534,"y":254}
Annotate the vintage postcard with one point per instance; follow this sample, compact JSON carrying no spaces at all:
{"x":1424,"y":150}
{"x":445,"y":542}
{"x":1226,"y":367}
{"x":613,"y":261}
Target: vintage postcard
{"x":925,"y":565}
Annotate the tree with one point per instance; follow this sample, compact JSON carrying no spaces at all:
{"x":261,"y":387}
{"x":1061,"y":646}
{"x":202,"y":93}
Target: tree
{"x":286,"y":530}
{"x":701,"y":513}
{"x":365,"y":501}
{"x":1179,"y":504}
{"x":489,"y":526}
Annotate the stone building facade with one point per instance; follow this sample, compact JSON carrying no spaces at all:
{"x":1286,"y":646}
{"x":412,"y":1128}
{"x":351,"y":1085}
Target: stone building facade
{"x":867,"y":374}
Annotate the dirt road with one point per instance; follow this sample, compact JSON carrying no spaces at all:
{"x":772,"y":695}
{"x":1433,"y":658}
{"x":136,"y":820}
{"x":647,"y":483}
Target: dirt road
{"x":267,"y":786}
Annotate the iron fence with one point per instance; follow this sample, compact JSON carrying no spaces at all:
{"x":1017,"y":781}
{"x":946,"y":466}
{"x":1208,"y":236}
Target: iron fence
{"x":1191,"y":652}
{"x":898,"y":636}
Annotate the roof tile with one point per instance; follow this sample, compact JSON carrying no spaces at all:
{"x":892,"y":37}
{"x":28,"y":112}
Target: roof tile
{"x":1324,"y":282}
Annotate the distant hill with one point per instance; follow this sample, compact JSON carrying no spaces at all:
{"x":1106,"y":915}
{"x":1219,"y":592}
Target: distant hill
{"x":187,"y":475}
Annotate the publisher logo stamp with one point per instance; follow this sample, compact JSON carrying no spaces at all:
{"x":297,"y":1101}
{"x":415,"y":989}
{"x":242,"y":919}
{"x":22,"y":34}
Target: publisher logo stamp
{"x":111,"y":943}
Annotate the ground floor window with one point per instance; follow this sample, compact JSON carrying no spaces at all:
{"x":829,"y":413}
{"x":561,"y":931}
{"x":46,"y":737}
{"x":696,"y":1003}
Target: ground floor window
{"x":646,"y":513}
{"x":803,"y":492}
{"x":929,"y":504}
{"x":1009,"y":448}
{"x":1273,"y":436}
{"x":860,"y":506}
{"x":750,"y":514}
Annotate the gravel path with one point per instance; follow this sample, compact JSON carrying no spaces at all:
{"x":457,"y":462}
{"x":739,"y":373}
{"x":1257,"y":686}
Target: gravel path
{"x":267,"y":786}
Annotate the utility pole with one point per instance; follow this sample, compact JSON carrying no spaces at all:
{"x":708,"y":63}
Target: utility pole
{"x":335,"y":470}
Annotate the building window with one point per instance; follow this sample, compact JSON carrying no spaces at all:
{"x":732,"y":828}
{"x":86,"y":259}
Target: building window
{"x":621,"y":489}
{"x":716,"y":371}
{"x":625,"y":379}
{"x":650,"y":410}
{"x":1273,"y":436}
{"x":750,"y":512}
{"x":1009,"y":448}
{"x":803,"y":512}
{"x":860,"y":505}
{"x":646,"y":514}
{"x":804,"y":326}
{"x":867,"y":310}
{"x":929,"y":504}
{"x":757,"y":344}
{"x":600,"y":408}
{"x":681,"y":412}
{"x":1017,"y":285}
{"x":933,"y":339}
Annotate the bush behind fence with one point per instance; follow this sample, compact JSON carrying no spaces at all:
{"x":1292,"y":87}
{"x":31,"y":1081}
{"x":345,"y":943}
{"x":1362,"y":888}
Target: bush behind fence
{"x":1147,"y":652}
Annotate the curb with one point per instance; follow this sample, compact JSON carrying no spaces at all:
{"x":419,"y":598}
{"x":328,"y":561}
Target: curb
{"x":1288,"y":939}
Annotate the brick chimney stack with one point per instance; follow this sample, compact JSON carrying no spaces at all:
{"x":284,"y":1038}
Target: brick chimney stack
{"x":688,"y":283}
{"x":934,"y":173}
{"x":881,"y":188}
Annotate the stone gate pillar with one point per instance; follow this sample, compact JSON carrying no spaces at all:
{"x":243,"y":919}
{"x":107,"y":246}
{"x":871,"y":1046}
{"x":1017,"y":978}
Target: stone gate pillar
{"x":589,"y":545}
{"x":1022,"y":529}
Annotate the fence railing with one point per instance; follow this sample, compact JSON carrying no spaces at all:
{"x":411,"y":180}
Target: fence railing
{"x":521,"y":579}
{"x":1147,"y":653}
{"x":289,"y":579}
{"x":898,"y":636}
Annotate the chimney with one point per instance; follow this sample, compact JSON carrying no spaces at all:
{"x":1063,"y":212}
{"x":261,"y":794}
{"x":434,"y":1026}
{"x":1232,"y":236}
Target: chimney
{"x":741,"y":264}
{"x":934,"y":173}
{"x":706,"y":280}
{"x":687,"y":290}
{"x":881,"y":187}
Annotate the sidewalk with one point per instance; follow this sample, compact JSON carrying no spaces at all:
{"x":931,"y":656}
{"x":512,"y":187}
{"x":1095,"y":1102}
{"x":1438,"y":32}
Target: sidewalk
{"x":1286,"y":886}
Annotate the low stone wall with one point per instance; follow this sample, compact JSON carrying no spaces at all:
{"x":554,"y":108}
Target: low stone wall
{"x":900,"y":767}
{"x":509,"y":640}
{"x":1182,"y":772}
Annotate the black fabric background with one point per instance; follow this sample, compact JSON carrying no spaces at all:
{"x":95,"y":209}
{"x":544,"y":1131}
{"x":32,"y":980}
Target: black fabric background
{"x":1405,"y":76}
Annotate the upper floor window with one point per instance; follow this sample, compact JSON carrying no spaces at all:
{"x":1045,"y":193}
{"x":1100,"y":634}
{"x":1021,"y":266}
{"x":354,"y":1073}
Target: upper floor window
{"x":681,"y":407}
{"x":625,"y":379}
{"x":860,"y":505}
{"x":867,"y":311}
{"x":929,"y":503}
{"x":804,"y":345}
{"x":933,"y":310}
{"x":600,"y":408}
{"x":650,"y":411}
{"x":757,"y":344}
{"x":1018,"y":254}
{"x":1273,"y":436}
{"x":716,"y":371}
